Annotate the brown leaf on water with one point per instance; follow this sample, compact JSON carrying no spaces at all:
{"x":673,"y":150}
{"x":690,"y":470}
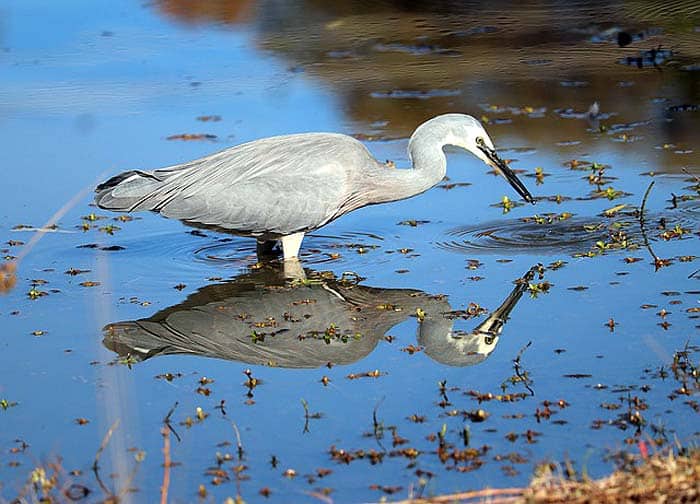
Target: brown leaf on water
{"x":660,"y":263}
{"x":369,"y":374}
{"x":192,"y":136}
{"x":389,"y":490}
{"x":411,"y":349}
{"x":413,"y":222}
{"x":75,"y":271}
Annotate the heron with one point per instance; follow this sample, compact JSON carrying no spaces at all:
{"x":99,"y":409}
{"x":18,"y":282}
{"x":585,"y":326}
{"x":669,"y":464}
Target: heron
{"x":280,"y":188}
{"x":219,"y":320}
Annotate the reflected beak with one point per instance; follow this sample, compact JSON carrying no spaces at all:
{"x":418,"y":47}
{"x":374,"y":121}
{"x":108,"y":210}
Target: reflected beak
{"x":505,"y":170}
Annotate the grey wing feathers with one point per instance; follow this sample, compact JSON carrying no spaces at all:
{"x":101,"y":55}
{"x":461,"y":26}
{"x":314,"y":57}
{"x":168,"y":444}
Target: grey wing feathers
{"x":276,"y":185}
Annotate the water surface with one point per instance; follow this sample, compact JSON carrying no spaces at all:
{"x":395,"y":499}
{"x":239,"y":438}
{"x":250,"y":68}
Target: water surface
{"x":384,"y":380}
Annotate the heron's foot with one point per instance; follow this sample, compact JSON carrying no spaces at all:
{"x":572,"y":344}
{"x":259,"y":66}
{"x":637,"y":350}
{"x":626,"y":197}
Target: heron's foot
{"x":293,"y":269}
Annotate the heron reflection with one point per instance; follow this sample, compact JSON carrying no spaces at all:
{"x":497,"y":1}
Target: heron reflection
{"x":262,"y":318}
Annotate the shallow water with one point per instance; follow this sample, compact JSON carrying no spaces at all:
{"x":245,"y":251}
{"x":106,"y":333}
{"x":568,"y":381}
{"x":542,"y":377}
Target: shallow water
{"x":88,"y":91}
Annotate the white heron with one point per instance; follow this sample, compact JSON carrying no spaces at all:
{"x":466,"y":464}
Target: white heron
{"x":207,"y":322}
{"x":280,"y":188}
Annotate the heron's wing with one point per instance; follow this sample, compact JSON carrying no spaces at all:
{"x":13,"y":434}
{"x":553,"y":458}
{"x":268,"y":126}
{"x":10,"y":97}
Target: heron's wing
{"x":276,"y":185}
{"x":223,"y":326}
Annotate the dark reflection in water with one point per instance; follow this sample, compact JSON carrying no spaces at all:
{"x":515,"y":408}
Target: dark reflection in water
{"x":396,"y":63}
{"x":260,"y":318}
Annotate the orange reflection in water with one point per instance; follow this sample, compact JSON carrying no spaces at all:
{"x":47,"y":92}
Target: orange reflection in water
{"x":217,"y":11}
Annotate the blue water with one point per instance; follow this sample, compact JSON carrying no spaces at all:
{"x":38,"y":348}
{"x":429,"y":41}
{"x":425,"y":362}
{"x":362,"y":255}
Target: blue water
{"x":90,"y":89}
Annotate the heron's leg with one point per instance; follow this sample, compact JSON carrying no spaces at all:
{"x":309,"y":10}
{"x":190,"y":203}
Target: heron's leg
{"x":265,"y":248}
{"x":291,"y":245}
{"x":293,"y":269}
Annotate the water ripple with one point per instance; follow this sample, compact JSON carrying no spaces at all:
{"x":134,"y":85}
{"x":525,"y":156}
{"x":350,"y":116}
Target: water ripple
{"x":518,"y":237}
{"x":576,"y":234}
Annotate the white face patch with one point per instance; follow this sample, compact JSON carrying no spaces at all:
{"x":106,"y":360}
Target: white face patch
{"x":473,"y":343}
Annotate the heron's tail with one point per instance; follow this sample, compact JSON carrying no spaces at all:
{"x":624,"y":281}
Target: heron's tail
{"x":128,"y":191}
{"x":139,"y":340}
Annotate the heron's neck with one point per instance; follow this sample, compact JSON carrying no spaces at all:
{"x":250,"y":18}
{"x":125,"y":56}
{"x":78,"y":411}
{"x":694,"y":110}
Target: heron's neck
{"x":429,"y":165}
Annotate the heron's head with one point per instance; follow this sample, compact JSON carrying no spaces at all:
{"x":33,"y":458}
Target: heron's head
{"x":467,"y":132}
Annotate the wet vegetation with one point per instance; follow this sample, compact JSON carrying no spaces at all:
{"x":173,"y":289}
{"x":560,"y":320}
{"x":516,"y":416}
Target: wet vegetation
{"x":458,"y":346}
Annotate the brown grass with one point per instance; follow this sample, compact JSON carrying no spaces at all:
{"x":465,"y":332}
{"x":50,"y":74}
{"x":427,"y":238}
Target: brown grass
{"x":659,"y":478}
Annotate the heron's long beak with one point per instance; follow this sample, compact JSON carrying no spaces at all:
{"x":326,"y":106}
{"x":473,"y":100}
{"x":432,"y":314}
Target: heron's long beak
{"x":493,"y":325}
{"x":505,"y":170}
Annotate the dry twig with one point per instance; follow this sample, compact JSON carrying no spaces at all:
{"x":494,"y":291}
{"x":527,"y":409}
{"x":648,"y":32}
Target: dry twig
{"x":95,"y":464}
{"x":165,"y":432}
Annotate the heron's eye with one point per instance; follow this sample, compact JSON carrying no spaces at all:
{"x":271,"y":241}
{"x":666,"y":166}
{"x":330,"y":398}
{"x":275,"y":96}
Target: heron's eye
{"x":480,"y":142}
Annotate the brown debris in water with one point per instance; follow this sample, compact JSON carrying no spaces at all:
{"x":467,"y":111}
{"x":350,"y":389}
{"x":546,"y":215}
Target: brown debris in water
{"x":8,"y":276}
{"x":192,"y":136}
{"x":369,"y":374}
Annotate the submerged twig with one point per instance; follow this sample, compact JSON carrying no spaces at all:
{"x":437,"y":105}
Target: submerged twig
{"x":377,"y":426}
{"x":95,"y":464}
{"x":641,"y":220}
{"x":239,"y":445}
{"x":658,"y":262}
{"x":306,"y":416}
{"x":166,"y":421}
{"x":516,"y":367}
